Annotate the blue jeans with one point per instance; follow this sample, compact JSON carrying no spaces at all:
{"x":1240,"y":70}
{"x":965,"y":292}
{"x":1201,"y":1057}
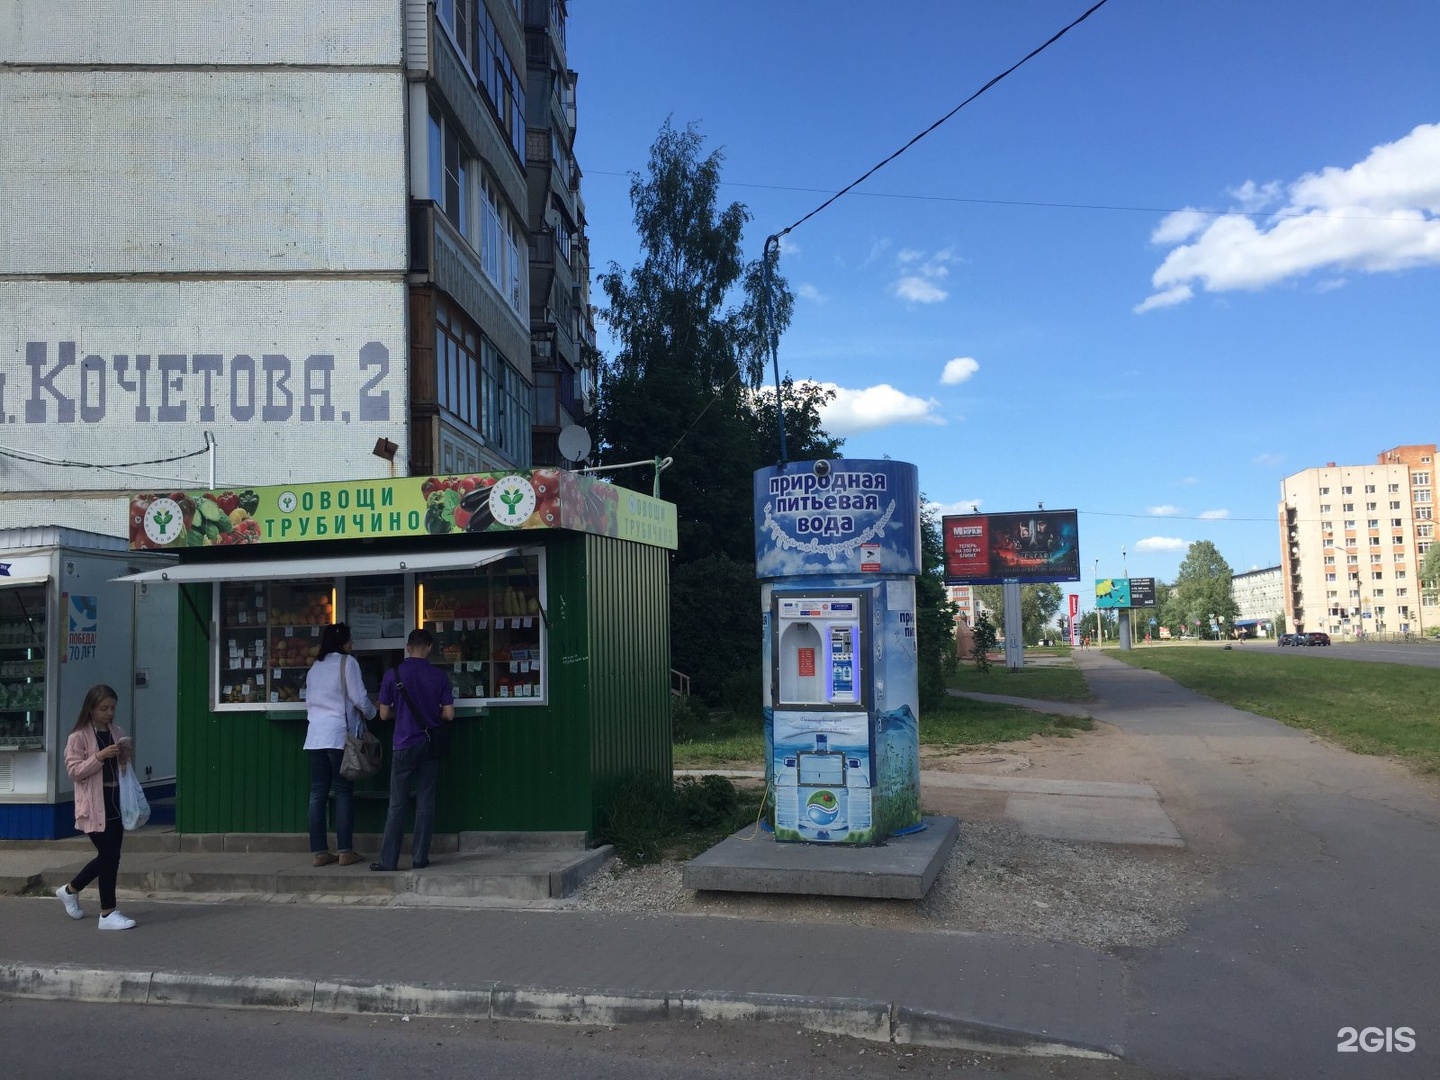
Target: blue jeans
{"x":413,"y":763}
{"x":325,"y":772}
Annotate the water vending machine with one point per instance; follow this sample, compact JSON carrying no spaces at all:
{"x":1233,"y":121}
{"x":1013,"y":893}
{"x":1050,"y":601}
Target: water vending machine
{"x":823,"y":752}
{"x":841,"y":735}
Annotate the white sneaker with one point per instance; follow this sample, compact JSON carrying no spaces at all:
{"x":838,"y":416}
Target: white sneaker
{"x":71,"y":902}
{"x":116,"y":921}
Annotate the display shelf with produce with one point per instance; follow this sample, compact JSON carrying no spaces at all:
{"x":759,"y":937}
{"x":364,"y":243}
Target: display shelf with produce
{"x":488,"y":627}
{"x":270,"y":635}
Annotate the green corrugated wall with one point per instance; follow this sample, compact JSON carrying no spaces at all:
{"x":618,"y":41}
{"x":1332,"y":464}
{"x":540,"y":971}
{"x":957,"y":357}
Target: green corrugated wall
{"x":520,"y":768}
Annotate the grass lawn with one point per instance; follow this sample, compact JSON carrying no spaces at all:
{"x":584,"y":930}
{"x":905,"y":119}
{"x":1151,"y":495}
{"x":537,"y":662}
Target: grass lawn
{"x":1388,"y":709}
{"x":704,"y":744}
{"x":1058,"y":683}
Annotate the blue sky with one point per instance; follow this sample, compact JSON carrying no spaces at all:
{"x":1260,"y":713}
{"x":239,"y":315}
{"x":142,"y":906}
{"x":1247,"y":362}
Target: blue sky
{"x":1026,"y":304}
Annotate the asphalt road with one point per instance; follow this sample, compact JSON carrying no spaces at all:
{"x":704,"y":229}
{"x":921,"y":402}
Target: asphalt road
{"x":62,"y":1040}
{"x":1378,"y":653}
{"x":1324,"y":916}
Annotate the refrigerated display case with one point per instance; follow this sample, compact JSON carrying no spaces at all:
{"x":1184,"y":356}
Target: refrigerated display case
{"x":22,"y":667}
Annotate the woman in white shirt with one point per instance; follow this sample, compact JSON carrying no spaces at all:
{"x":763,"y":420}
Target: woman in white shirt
{"x":334,"y":693}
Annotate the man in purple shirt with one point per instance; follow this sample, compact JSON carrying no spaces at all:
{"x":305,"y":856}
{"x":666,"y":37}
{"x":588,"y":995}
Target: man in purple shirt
{"x":424,"y":689}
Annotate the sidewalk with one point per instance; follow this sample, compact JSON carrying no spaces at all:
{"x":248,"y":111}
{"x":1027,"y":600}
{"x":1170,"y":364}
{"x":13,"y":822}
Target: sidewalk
{"x":248,"y":922}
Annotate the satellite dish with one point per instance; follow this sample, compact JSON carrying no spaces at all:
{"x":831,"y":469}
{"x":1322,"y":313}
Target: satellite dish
{"x":574,"y":443}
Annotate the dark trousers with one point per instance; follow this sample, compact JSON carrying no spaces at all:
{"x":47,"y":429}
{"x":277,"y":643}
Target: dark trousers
{"x":411,"y":764}
{"x":105,"y":865}
{"x":325,"y":773}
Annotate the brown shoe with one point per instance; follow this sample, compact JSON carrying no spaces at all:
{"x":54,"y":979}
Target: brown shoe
{"x":324,"y":858}
{"x":350,"y":858}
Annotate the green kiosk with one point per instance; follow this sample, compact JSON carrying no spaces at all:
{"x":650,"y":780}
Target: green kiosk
{"x":548,"y":595}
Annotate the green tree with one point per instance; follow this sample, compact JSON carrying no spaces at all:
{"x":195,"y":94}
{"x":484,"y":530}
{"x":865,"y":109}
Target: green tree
{"x":1038,"y":605}
{"x":934,"y":614}
{"x":1201,"y":589}
{"x":691,"y":347}
{"x":686,"y":381}
{"x":1430,"y":571}
{"x":985,"y":641}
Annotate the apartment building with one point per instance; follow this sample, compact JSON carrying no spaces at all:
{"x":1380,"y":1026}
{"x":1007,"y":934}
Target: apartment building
{"x":1352,"y":540}
{"x":283,"y":243}
{"x":1259,"y":597}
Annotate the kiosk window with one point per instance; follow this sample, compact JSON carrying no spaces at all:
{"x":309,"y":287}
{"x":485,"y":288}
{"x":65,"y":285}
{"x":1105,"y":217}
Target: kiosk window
{"x":269,"y":637}
{"x":489,"y":628}
{"x":822,"y":769}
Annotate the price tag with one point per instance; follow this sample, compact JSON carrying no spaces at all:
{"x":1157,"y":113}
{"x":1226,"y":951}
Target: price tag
{"x":528,"y":622}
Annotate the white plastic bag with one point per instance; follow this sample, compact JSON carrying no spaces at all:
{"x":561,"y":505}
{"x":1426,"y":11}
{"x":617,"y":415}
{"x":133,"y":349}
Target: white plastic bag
{"x":134,"y":807}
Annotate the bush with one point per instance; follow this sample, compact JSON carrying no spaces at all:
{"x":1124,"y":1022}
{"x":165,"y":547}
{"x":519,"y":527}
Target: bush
{"x":647,"y":819}
{"x":686,"y":714}
{"x":742,"y":690}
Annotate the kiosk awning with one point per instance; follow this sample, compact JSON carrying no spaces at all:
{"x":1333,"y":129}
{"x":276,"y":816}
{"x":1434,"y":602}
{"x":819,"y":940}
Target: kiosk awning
{"x":344,"y":566}
{"x":28,"y":579}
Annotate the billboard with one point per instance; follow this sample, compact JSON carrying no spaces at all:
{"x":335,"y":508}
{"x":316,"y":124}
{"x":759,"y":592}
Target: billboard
{"x":1034,"y":545}
{"x":1122,"y":592}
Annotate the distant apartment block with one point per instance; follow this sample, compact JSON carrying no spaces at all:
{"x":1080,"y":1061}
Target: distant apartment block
{"x":1352,"y":540}
{"x":1260,"y":597}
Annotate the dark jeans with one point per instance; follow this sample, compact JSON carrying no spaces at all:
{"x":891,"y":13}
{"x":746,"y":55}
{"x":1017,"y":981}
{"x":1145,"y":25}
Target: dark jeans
{"x":324,"y":772}
{"x":105,"y":865}
{"x":413,"y":763}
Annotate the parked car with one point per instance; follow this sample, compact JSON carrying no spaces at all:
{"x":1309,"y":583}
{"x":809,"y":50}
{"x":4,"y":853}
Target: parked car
{"x":1290,"y":639}
{"x":1316,"y":637}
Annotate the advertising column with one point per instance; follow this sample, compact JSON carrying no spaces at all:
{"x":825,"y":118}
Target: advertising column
{"x":837,"y":549}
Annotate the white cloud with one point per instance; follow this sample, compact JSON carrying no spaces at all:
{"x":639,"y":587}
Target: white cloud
{"x":1169,"y":298}
{"x":1254,"y":197}
{"x":806,"y":291}
{"x":1181,"y":225}
{"x":854,"y":411}
{"x":1268,"y":460}
{"x":958,"y":370}
{"x":1161,"y":543}
{"x":964,"y":506}
{"x":1164,"y":511}
{"x":788,"y":246}
{"x":920,"y":273}
{"x":1214,"y":515}
{"x":1379,"y":215}
{"x":1190,"y":481}
{"x":919,"y":291}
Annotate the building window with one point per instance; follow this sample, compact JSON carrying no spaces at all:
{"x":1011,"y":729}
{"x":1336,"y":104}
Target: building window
{"x":1347,"y":490}
{"x":450,"y":168}
{"x":1349,"y":508}
{"x":1372,"y":523}
{"x":1420,"y":479}
{"x":477,"y":40}
{"x":1324,"y":508}
{"x":1400,"y":575}
{"x":1369,"y":489}
{"x":1371,"y":505}
{"x":1377,"y":575}
{"x":1351,"y":560}
{"x":1329,"y":577}
{"x":1329,"y":560}
{"x":1422,"y":496}
{"x":500,"y":245}
{"x":1327,"y":525}
{"x":1402,"y":592}
{"x":1422,"y":513}
{"x":1425,"y":530}
{"x":1349,"y":523}
{"x":1395,"y":523}
{"x":1324,"y":491}
{"x":1393,"y":488}
{"x":1375,"y":558}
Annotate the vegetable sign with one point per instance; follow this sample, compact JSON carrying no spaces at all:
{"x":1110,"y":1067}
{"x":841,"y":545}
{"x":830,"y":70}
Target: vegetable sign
{"x":410,"y":506}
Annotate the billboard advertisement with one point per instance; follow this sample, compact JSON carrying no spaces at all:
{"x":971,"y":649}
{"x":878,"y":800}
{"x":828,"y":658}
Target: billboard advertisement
{"x":1112,"y":593}
{"x":1030,"y":546}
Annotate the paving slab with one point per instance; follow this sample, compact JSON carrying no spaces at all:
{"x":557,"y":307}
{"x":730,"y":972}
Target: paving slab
{"x":902,"y":868}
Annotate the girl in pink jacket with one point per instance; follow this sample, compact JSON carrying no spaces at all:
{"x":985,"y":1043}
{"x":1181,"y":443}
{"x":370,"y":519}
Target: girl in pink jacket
{"x":94,"y":754}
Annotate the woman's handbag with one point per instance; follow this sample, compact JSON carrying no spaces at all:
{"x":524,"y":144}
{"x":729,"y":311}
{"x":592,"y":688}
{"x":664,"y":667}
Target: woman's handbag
{"x":134,"y":807}
{"x":363,"y":753}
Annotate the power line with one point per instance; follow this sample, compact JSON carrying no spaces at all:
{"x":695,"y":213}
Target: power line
{"x":872,"y":171}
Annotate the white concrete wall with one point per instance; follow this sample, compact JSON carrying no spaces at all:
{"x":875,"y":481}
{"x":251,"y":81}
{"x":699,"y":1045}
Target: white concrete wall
{"x":128,"y":371}
{"x":202,"y":172}
{"x":170,"y":32}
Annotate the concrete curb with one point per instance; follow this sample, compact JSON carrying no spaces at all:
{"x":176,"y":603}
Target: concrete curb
{"x":873,"y":1021}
